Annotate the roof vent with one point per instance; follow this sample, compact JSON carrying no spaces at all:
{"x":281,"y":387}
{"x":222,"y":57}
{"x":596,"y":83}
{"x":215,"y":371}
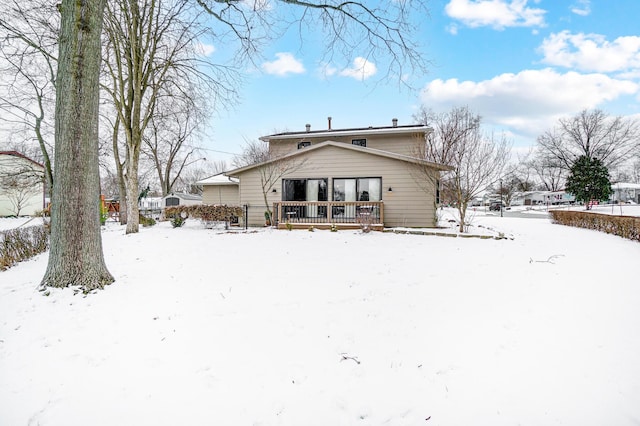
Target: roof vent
{"x":395,"y":122}
{"x":329,"y":120}
{"x":308,"y":126}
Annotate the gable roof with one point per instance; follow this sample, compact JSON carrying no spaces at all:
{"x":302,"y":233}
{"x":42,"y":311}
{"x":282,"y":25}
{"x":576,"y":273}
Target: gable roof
{"x":341,"y":145}
{"x":358,"y":131}
{"x":19,"y":155}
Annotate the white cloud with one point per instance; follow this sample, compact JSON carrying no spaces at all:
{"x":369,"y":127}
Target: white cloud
{"x":591,"y":52}
{"x":498,"y":14}
{"x":530,"y":102}
{"x":361,"y":69}
{"x":205,"y":49}
{"x":581,"y":7}
{"x":284,"y":65}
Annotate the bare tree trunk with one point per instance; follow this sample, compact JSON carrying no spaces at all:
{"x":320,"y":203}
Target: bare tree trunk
{"x":131,"y":181}
{"x":122,"y":188}
{"x":76,"y":255}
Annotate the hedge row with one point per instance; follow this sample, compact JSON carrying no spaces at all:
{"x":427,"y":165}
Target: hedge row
{"x":623,"y":226}
{"x":208,"y":213}
{"x":21,"y":244}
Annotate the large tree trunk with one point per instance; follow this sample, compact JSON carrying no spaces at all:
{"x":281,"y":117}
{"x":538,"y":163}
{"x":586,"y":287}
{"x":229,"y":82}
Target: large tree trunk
{"x":75,"y":257}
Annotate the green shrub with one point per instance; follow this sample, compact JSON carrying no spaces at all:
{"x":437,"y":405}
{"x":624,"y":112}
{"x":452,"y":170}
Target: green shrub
{"x":177,"y":221}
{"x":147,"y":221}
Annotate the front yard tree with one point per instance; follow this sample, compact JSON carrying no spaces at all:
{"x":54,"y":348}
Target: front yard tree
{"x":75,"y":257}
{"x":457,"y":141}
{"x":589,"y":180}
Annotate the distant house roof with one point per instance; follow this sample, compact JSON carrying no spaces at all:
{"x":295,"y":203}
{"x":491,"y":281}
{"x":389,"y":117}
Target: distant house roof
{"x":219,"y":179}
{"x":370,"y":151}
{"x":185,"y":196}
{"x":625,"y":185}
{"x":358,"y":131}
{"x":19,"y":155}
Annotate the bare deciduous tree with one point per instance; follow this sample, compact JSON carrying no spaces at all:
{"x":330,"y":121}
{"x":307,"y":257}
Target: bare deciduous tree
{"x":19,"y":183}
{"x":28,"y":43}
{"x":593,"y":134}
{"x":271,"y":169}
{"x":169,"y":141}
{"x":75,"y":257}
{"x":550,"y":172}
{"x":457,"y":140}
{"x":152,"y":53}
{"x":381,"y":31}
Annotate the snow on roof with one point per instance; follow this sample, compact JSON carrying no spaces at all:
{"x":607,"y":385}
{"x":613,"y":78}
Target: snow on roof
{"x":219,"y":179}
{"x":185,"y":196}
{"x":349,"y":132}
{"x":625,"y":185}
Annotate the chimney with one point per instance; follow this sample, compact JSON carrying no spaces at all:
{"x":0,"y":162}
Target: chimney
{"x":329,"y":120}
{"x":395,"y":122}
{"x":308,"y":126}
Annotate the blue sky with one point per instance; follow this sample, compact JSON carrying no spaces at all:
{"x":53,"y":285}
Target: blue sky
{"x":520,"y":64}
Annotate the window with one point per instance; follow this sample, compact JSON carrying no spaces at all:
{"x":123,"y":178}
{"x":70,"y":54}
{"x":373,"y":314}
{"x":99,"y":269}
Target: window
{"x":437,"y":191}
{"x":303,"y":144}
{"x":172,"y":201}
{"x":304,"y":189}
{"x":357,"y":189}
{"x":359,"y":142}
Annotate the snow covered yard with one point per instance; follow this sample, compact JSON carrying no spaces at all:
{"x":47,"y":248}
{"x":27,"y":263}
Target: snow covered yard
{"x":204,"y":327}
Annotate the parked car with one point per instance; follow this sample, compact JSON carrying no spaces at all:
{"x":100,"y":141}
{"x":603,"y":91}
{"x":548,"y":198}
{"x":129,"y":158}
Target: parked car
{"x":495,"y":206}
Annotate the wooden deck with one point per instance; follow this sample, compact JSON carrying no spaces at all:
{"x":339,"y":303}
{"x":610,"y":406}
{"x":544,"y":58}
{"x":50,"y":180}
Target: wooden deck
{"x":325,"y":214}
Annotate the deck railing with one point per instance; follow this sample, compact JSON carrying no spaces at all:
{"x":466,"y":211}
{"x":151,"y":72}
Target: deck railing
{"x":337,"y":212}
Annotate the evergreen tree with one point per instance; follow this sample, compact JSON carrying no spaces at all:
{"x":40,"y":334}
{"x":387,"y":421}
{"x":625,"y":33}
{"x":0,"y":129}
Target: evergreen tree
{"x":589,"y":180}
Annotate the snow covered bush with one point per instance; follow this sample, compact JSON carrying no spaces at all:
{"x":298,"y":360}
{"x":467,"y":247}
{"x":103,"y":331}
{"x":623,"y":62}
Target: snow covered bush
{"x":21,"y":244}
{"x":622,"y":226}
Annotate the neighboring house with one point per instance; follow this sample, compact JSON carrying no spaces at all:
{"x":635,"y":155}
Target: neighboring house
{"x":172,"y":200}
{"x":344,"y":177}
{"x":534,"y":198}
{"x":151,"y":207}
{"x":220,"y":189}
{"x":21,"y":185}
{"x":150,"y":203}
{"x":625,"y":192}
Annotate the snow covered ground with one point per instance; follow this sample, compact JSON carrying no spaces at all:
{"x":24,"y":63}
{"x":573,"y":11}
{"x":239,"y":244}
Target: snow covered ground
{"x":205,"y":327}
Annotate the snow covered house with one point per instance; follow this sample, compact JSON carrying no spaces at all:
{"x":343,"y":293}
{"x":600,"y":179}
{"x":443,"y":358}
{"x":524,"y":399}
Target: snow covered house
{"x":21,"y":185}
{"x":341,"y":177}
{"x":220,"y":189}
{"x":625,"y":193}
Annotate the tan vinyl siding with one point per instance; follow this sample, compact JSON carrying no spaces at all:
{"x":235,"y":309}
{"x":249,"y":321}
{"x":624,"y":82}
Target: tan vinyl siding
{"x":221,"y":194}
{"x":399,"y":144}
{"x":406,"y":205}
